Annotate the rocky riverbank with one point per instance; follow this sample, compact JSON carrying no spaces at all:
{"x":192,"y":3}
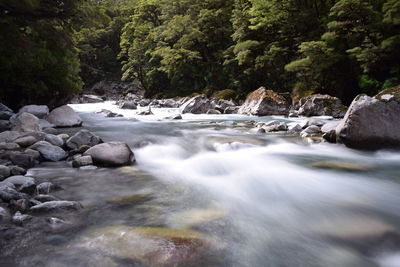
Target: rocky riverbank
{"x":34,"y":135}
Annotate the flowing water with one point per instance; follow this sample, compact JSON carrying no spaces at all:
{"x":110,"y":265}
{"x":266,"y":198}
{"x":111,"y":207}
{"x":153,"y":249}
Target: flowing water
{"x":264,"y":199}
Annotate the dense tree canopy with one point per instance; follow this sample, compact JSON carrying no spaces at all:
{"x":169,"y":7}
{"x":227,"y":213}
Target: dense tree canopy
{"x":38,"y":60}
{"x":180,"y":47}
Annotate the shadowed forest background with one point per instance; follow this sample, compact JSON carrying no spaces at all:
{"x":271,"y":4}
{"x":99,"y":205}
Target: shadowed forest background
{"x":49,"y":50}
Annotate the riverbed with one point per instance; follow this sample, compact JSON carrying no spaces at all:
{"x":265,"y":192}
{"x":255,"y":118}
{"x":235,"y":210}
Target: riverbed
{"x":263,"y":199}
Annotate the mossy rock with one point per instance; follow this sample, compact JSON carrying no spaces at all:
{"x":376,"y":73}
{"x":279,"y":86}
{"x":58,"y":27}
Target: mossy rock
{"x":226,"y":94}
{"x":344,"y":166}
{"x":388,"y":94}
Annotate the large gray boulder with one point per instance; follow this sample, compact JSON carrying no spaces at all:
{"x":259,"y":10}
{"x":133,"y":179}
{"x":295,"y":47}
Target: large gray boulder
{"x":372,"y":122}
{"x":197,"y":105}
{"x":111,"y":154}
{"x":322,"y":105}
{"x":5,"y":108}
{"x":49,"y":152}
{"x":263,"y":102}
{"x":64,"y":116}
{"x":82,"y":138}
{"x":40,"y":111}
{"x":26,"y":122}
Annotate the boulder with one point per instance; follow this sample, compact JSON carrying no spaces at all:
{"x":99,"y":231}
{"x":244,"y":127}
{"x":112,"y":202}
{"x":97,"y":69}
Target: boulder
{"x":5,"y":125}
{"x":9,"y":136}
{"x":64,"y":116}
{"x":15,"y":170}
{"x":49,"y":152}
{"x":311,"y":131}
{"x":91,"y":99}
{"x":82,"y":161}
{"x":45,"y":124}
{"x":294,"y":127}
{"x":81,"y":138}
{"x":128,"y":105}
{"x":26,"y":141}
{"x":40,"y":111}
{"x":5,"y":115}
{"x":275,"y":127}
{"x":22,"y":159}
{"x":54,"y":140}
{"x":20,"y":180}
{"x":9,"y":146}
{"x":56,"y":206}
{"x":197,"y":105}
{"x":372,"y":122}
{"x":111,"y":154}
{"x":26,"y":122}
{"x":4,"y":172}
{"x":45,"y":188}
{"x":263,"y":102}
{"x":321,"y":105}
{"x":231,"y":110}
{"x":329,"y":131}
{"x":8,"y":193}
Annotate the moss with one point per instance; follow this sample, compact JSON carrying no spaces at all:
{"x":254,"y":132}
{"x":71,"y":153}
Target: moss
{"x":395,"y":91}
{"x":226,"y":94}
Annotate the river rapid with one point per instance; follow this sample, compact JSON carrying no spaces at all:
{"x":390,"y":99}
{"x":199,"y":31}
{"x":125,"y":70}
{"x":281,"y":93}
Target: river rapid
{"x":265,"y":199}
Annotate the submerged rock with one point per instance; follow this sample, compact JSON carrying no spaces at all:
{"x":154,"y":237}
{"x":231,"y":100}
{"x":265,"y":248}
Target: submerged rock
{"x":372,"y":122}
{"x":345,"y":166}
{"x":154,"y":246}
{"x":56,"y":206}
{"x":64,"y":116}
{"x":111,"y":154}
{"x":263,"y":102}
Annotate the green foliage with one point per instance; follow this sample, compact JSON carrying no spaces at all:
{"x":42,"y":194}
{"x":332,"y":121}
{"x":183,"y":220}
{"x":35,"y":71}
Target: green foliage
{"x":170,"y":47}
{"x":38,"y":62}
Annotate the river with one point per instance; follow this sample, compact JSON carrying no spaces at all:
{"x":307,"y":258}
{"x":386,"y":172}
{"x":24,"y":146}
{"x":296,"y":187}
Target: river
{"x":266,"y":199}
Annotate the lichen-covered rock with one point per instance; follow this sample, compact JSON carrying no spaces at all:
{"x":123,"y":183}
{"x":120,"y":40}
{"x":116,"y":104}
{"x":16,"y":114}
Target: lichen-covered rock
{"x":64,"y":116}
{"x":263,"y":102}
{"x":111,"y":154}
{"x":372,"y":122}
{"x":197,"y":105}
{"x":322,"y":105}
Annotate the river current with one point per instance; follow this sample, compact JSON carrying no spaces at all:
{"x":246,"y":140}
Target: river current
{"x":267,"y":199}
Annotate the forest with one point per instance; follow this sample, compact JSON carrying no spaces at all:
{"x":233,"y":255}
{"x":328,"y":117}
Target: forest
{"x":50,"y":50}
